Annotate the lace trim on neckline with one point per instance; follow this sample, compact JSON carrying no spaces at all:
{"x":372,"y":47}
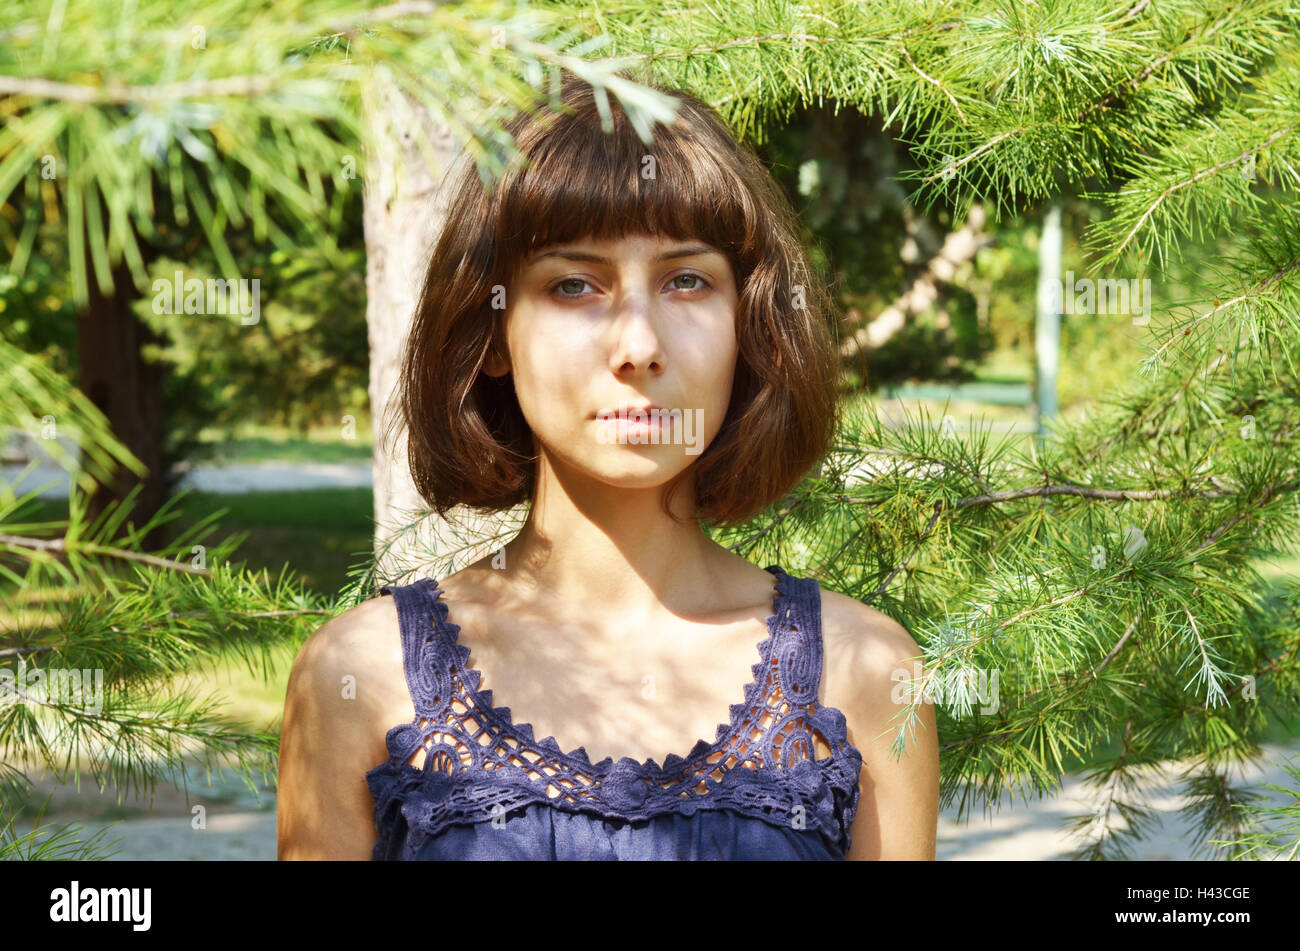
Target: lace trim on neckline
{"x":478,"y":763}
{"x":501,"y":717}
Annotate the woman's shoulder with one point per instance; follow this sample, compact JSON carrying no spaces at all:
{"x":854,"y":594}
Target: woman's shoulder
{"x":352,"y":665}
{"x":867,"y":658}
{"x":847,"y":619}
{"x":365,"y":634}
{"x":863,"y":651}
{"x":339,"y":705}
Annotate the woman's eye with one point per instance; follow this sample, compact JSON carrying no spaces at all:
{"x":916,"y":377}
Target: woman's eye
{"x":576,"y":284}
{"x":702,"y":283}
{"x":569,"y":280}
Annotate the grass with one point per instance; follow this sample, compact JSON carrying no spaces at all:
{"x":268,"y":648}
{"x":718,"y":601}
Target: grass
{"x":258,"y":442}
{"x":255,"y":449}
{"x":319,"y":533}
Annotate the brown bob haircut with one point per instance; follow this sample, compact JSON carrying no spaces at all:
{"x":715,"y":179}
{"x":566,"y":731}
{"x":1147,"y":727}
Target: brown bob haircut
{"x":468,"y":443}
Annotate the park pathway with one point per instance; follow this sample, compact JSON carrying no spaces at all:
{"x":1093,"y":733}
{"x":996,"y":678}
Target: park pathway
{"x":238,"y":477}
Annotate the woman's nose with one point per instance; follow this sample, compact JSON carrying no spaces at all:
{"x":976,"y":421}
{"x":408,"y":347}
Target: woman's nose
{"x":637,"y":345}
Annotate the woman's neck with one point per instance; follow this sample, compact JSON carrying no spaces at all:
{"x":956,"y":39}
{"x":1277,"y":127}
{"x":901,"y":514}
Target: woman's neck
{"x":613,"y":550}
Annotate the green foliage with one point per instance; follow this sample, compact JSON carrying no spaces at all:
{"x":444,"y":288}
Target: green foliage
{"x":1283,"y":837}
{"x":43,"y":404}
{"x":123,"y":117}
{"x":302,"y":362}
{"x":45,"y":844}
{"x":83,"y":595}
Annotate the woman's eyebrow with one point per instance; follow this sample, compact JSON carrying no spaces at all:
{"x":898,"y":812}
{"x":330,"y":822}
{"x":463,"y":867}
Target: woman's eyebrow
{"x":571,"y":255}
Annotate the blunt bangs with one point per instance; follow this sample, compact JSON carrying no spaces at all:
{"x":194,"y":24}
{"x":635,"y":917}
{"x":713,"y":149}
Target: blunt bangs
{"x":608,"y":186}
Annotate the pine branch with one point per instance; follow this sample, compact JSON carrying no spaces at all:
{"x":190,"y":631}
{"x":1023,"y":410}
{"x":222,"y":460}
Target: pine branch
{"x":1132,"y":85}
{"x":1219,"y":307}
{"x":1103,"y":840}
{"x":1188,"y":182}
{"x":929,"y":527}
{"x":60,"y":546}
{"x":1105,"y":661}
{"x":238,"y":86}
{"x":1269,"y":493}
{"x":1107,"y":495}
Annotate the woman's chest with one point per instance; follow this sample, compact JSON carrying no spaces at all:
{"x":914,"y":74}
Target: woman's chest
{"x":642,"y":691}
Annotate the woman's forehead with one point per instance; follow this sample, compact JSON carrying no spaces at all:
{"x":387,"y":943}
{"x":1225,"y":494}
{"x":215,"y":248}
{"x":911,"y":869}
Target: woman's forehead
{"x":652,"y":242}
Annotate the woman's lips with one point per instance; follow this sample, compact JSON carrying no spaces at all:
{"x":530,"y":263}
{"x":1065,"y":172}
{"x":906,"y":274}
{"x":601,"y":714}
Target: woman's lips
{"x":626,"y":410}
{"x":640,"y":419}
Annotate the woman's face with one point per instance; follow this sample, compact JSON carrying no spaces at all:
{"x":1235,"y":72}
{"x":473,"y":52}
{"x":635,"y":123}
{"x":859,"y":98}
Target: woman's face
{"x":598,"y":328}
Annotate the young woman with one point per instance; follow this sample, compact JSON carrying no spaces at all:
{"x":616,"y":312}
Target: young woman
{"x":705,"y":707}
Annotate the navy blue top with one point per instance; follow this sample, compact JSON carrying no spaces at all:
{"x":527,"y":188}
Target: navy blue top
{"x":486,"y":789}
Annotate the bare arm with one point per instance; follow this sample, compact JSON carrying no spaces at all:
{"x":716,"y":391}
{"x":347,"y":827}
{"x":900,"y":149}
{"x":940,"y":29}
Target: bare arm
{"x":898,"y":812}
{"x":331,"y":736}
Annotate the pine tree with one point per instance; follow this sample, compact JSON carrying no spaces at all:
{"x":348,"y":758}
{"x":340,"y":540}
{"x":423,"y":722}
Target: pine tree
{"x":1105,"y":574}
{"x":93,"y":627}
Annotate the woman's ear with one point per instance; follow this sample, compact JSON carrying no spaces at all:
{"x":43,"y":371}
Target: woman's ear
{"x":496,"y":365}
{"x":497,"y":361}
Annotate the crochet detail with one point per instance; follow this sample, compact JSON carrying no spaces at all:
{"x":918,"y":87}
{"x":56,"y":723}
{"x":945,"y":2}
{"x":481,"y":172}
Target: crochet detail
{"x":783,"y":758}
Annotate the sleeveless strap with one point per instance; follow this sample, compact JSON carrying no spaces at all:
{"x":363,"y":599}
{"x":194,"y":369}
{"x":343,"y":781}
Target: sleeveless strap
{"x":479,"y":764}
{"x":424,"y":659}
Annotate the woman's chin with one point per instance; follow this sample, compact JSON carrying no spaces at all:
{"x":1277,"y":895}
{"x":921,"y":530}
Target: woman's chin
{"x":645,"y":473}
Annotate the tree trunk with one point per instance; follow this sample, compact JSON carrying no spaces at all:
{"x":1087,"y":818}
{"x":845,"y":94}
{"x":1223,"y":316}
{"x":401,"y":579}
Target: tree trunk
{"x":127,"y":389}
{"x":403,"y":215}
